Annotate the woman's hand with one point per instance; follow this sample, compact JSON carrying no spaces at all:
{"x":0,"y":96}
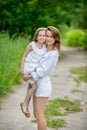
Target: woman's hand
{"x":26,"y":77}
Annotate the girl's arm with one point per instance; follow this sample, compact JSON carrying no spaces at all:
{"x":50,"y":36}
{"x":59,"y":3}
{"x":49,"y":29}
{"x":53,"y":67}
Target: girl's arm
{"x":28,"y":49}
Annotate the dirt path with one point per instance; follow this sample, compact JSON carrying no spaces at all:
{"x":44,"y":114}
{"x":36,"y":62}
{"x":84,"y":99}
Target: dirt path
{"x":11,"y":118}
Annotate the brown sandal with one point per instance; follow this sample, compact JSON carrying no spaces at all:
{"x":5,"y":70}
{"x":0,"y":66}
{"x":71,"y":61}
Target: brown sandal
{"x":23,"y":108}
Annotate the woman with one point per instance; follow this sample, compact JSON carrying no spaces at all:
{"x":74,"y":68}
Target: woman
{"x":42,"y":75}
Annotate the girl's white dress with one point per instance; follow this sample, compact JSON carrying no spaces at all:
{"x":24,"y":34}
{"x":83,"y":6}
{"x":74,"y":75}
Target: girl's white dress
{"x":43,"y":72}
{"x":32,"y":59}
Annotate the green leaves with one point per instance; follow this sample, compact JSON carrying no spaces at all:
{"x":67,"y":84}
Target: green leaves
{"x":10,"y":58}
{"x":24,"y":16}
{"x":75,"y":38}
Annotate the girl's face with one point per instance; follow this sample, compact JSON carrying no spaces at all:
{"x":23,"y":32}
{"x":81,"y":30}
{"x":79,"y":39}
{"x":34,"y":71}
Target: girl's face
{"x":41,"y":36}
{"x":49,"y":38}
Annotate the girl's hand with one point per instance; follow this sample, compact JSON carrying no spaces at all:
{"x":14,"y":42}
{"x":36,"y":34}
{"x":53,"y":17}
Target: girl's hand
{"x":26,"y":77}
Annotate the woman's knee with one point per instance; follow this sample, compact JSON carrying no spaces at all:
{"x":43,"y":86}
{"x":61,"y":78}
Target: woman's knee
{"x":38,"y":115}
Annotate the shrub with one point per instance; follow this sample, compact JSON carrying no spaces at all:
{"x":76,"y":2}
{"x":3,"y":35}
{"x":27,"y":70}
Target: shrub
{"x":76,"y":38}
{"x":85,"y":45}
{"x":11,"y":51}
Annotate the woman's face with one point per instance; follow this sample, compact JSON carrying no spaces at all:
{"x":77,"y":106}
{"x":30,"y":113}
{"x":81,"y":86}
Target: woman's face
{"x":41,"y":36}
{"x":49,"y":38}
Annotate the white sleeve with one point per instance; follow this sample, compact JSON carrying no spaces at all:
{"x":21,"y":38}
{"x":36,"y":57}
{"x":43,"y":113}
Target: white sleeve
{"x":46,"y":67}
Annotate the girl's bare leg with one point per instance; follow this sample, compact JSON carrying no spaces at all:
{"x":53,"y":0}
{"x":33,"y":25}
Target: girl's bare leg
{"x":24,"y":106}
{"x":39,"y":105}
{"x":30,"y":91}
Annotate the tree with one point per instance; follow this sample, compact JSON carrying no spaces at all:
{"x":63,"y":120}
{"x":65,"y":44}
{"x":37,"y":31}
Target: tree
{"x":24,"y":16}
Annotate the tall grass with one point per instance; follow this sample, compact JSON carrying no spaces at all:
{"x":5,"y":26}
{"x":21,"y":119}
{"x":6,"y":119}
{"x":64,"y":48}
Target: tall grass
{"x":11,"y":51}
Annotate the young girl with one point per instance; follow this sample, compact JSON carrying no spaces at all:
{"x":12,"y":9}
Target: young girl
{"x":30,"y":60}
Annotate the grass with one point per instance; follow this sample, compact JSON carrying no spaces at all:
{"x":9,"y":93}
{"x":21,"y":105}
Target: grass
{"x":57,"y":108}
{"x":56,"y":123}
{"x":11,"y":51}
{"x":77,"y":91}
{"x":81,"y":74}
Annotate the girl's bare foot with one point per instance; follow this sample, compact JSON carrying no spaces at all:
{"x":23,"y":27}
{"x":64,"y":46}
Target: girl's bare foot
{"x":24,"y":109}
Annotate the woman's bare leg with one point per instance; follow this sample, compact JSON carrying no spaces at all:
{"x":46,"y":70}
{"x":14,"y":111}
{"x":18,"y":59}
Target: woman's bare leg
{"x":39,"y":105}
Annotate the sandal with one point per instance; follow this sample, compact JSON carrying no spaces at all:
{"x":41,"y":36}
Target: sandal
{"x":24,"y":110}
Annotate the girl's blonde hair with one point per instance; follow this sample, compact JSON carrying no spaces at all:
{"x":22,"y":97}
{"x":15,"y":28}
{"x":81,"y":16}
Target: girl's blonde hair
{"x":37,"y":32}
{"x":56,"y":35}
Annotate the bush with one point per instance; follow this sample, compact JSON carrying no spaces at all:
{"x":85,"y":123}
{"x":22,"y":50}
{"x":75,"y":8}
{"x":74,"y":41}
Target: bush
{"x":75,"y":38}
{"x":11,"y":51}
{"x":85,"y":45}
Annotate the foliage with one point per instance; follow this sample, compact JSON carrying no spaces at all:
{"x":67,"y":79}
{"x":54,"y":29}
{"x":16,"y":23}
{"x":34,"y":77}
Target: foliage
{"x":11,"y":51}
{"x":24,"y":16}
{"x":75,"y":38}
{"x":85,"y":45}
{"x":83,"y":19}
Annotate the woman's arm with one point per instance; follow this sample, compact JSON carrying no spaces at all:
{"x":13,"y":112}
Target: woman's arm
{"x":26,"y":77}
{"x":28,"y":49}
{"x":46,"y":67}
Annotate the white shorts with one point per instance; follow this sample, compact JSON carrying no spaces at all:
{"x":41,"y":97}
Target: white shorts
{"x":44,"y":87}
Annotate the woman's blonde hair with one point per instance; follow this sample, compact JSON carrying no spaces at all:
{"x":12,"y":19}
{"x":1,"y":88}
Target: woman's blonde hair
{"x":37,"y":32}
{"x":56,"y":35}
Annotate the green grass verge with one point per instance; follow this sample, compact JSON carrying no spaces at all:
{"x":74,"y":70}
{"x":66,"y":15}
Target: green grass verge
{"x":11,"y":51}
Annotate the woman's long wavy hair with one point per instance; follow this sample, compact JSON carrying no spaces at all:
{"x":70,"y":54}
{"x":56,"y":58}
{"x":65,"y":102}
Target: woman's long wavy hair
{"x":56,"y":35}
